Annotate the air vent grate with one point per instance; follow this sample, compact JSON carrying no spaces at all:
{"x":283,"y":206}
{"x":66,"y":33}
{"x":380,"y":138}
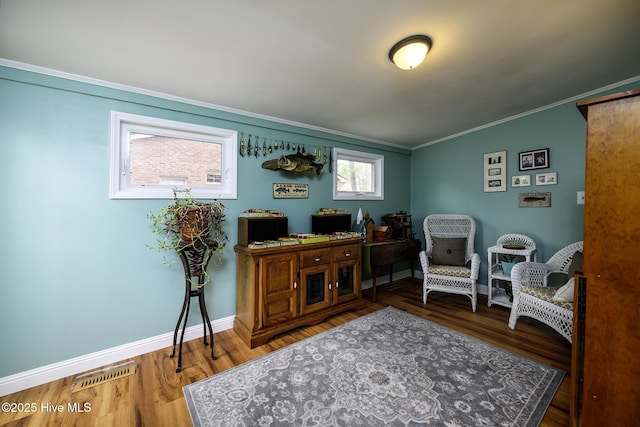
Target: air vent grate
{"x":104,"y":375}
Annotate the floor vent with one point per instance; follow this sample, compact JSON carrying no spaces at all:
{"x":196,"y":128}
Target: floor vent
{"x":101,"y":376}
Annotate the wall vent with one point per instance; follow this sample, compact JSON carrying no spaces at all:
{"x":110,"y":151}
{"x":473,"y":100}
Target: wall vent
{"x":104,"y":375}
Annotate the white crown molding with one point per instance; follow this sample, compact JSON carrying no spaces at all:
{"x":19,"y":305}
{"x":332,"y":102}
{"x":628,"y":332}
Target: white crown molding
{"x":69,"y":76}
{"x":97,"y":82}
{"x":530,"y":112}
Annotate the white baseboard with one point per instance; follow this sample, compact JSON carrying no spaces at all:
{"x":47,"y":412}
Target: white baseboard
{"x":482,"y":289}
{"x":59,"y":370}
{"x":77,"y":365}
{"x":383,"y":280}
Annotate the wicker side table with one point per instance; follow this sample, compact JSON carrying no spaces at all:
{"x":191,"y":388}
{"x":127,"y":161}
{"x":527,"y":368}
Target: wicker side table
{"x":517,"y":245}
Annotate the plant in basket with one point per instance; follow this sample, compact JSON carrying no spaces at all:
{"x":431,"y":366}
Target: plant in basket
{"x":189,"y":223}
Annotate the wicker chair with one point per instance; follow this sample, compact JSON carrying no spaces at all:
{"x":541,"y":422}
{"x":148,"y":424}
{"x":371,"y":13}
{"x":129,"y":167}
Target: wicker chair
{"x":532,"y":298}
{"x":449,"y":262}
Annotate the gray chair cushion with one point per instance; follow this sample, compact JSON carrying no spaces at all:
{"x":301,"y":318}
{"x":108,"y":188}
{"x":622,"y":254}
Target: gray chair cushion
{"x":448,"y":251}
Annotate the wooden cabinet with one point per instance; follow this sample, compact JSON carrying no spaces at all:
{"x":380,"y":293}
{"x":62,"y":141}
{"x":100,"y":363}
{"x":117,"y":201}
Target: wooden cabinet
{"x":605,"y":389}
{"x":278,"y":289}
{"x":278,"y":274}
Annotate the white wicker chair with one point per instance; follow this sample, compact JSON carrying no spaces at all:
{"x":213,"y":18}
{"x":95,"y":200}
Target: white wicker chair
{"x":450,"y":278}
{"x":532,"y":298}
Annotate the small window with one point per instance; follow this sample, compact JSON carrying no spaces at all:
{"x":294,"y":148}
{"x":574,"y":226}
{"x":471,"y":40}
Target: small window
{"x":214,"y":178}
{"x":150,"y":157}
{"x":358,"y":175}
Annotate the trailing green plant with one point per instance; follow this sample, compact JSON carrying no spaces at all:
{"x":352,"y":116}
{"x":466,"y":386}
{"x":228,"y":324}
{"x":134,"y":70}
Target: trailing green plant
{"x":188,"y":223}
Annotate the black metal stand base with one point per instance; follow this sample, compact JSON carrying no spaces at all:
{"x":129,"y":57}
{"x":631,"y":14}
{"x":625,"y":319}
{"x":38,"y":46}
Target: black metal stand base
{"x":194,"y":261}
{"x":185,"y":314}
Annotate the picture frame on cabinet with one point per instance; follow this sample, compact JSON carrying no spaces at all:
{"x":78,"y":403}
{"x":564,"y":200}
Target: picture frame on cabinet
{"x":495,"y":171}
{"x":521,"y":181}
{"x":534,"y":159}
{"x":547,"y":178}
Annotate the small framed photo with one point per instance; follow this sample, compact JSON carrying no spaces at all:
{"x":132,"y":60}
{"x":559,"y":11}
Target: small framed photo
{"x":521,"y":181}
{"x":536,"y":159}
{"x":495,"y":171}
{"x":547,"y":178}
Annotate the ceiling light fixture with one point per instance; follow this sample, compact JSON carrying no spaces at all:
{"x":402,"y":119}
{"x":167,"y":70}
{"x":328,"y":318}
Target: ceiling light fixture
{"x":408,"y":53}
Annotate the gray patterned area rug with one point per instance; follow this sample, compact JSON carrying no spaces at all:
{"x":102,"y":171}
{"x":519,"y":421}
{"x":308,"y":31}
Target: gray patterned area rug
{"x":386,"y":368}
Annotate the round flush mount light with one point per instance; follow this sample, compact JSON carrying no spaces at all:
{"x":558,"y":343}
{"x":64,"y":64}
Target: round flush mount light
{"x":409,"y":52}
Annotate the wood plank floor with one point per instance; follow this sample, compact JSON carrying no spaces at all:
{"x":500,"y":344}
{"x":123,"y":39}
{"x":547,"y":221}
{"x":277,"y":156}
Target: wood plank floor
{"x":153,"y":396}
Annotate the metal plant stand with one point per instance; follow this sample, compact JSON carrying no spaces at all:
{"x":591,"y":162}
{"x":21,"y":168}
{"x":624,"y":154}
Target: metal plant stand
{"x":195,"y":261}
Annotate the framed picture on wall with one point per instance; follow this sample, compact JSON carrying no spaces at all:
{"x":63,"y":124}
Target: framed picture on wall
{"x":495,"y":171}
{"x":547,"y":178}
{"x":521,"y":181}
{"x":535,"y":159}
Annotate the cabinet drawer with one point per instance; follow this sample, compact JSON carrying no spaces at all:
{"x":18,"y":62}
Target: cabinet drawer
{"x":315,"y":257}
{"x":345,"y":253}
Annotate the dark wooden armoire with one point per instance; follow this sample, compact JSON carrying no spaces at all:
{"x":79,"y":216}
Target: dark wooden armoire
{"x":606,"y":345}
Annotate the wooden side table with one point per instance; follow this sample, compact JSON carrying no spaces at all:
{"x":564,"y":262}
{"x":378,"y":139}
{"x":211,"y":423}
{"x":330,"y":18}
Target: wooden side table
{"x":389,"y":253}
{"x":195,"y":261}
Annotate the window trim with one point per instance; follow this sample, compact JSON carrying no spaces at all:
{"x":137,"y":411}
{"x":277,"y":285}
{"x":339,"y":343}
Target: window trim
{"x":376,"y":159}
{"x":121,"y":123}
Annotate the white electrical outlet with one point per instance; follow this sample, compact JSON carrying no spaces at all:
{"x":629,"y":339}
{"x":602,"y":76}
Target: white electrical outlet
{"x":581,"y":197}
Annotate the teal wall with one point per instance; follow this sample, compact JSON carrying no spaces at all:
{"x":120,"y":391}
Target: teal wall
{"x":76,"y":274}
{"x":448,"y":178}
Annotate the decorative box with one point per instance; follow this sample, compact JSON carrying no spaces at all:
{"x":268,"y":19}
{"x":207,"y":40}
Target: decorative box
{"x":328,"y":224}
{"x":260,"y":229}
{"x":382,"y":233}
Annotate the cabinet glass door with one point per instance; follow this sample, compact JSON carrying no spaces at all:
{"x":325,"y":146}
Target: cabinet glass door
{"x":315,"y":288}
{"x":315,"y":294}
{"x":346,"y":276}
{"x":345,"y":280}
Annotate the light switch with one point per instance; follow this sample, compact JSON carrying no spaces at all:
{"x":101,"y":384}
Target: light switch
{"x":581,"y":197}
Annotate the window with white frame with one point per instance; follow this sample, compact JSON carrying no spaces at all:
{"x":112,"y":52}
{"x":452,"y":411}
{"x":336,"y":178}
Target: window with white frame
{"x":150,"y":157}
{"x":358,"y":175}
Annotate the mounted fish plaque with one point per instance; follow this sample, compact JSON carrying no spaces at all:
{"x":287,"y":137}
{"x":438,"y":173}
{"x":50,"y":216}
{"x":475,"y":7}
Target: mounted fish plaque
{"x":534,"y":200}
{"x":290,"y":191}
{"x":294,"y":163}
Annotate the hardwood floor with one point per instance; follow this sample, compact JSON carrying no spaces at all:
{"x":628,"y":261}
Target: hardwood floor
{"x":153,"y":396}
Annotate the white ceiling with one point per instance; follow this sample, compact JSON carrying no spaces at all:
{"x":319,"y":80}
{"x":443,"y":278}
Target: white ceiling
{"x":325,"y":63}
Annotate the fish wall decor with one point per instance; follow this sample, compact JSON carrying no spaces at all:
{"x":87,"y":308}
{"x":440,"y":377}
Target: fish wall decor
{"x":294,"y":163}
{"x":534,"y":200}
